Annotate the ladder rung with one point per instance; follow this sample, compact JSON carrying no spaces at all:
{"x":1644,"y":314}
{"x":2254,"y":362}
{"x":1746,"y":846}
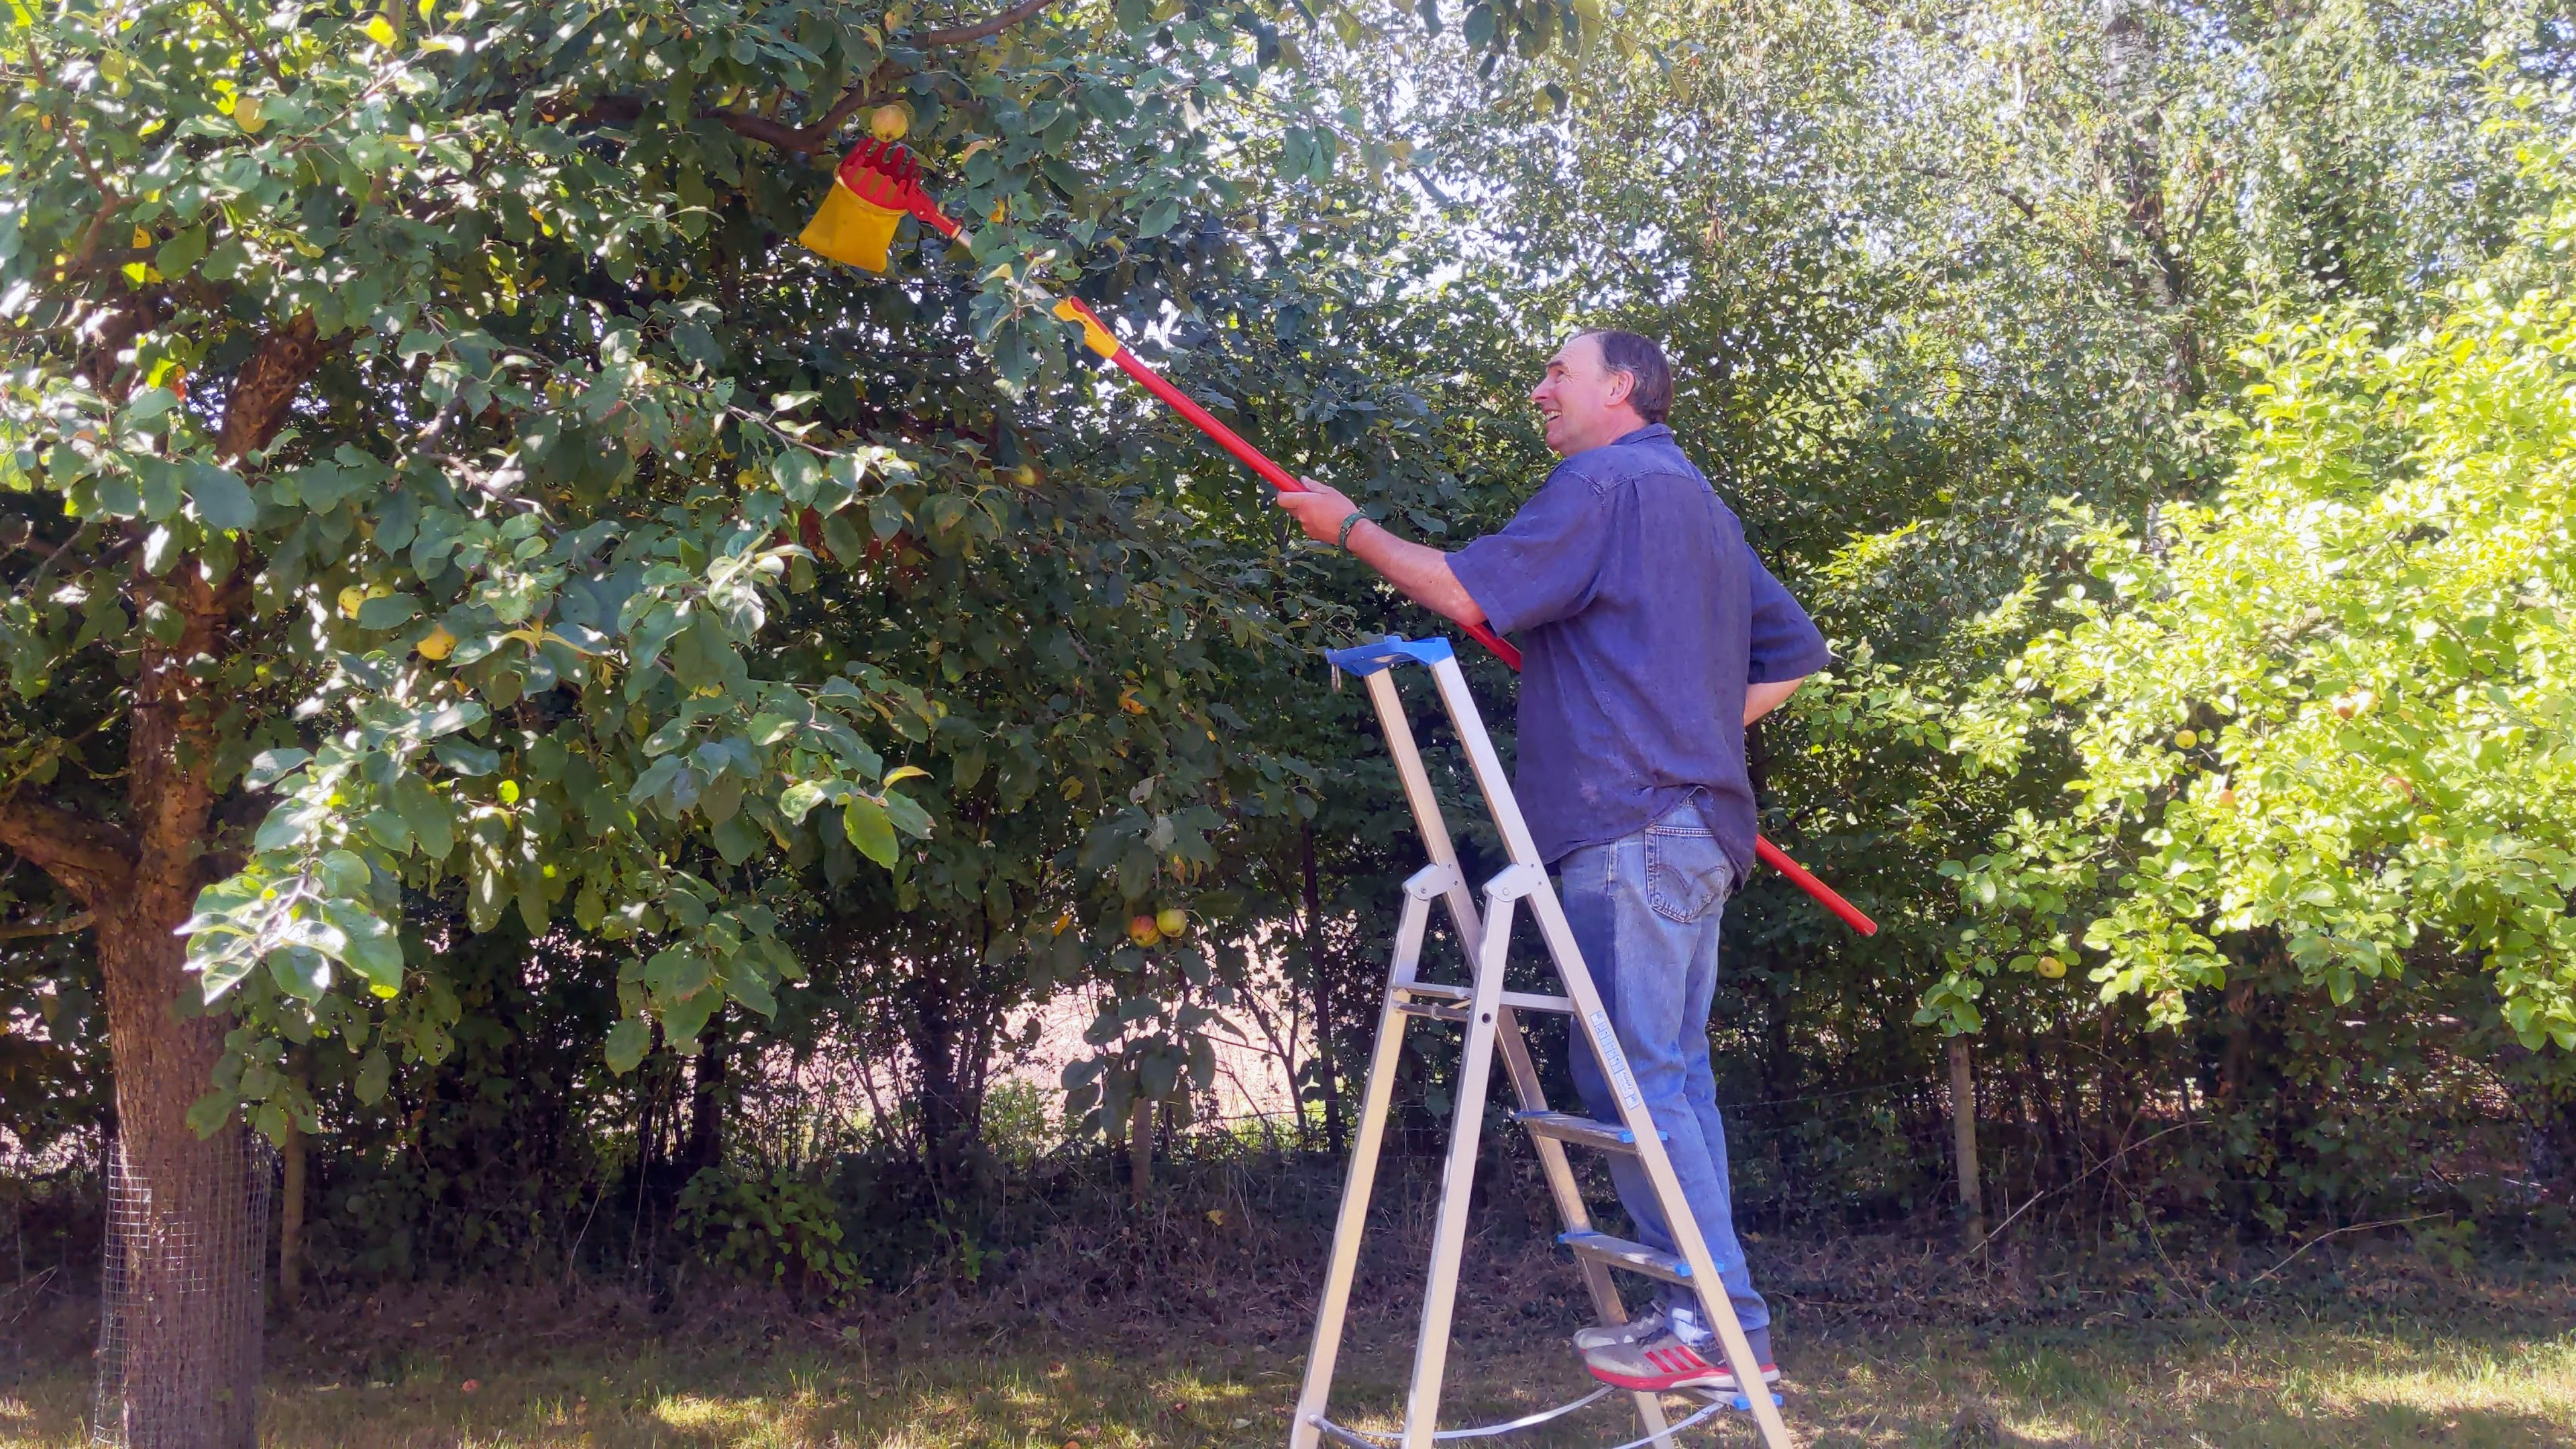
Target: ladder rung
{"x":1340,"y":1435}
{"x":1620,"y":1253}
{"x":1436,"y":1013}
{"x":1572,"y":1127}
{"x":1435,"y":991}
{"x":1517,"y":1000}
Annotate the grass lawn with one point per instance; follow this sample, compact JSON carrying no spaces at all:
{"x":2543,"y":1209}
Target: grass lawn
{"x":2306,"y":1384}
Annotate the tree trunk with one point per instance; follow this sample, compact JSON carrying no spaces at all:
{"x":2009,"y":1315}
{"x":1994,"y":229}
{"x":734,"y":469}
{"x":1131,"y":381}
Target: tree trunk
{"x":1140,"y":1150}
{"x":1963,"y":1138}
{"x":1325,"y":1061}
{"x":706,"y":1098}
{"x":187,"y":1239}
{"x":182,"y":1324}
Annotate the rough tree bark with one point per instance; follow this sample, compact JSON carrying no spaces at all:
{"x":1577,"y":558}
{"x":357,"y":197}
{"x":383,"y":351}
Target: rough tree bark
{"x":193,"y":1270}
{"x":191,"y":1322}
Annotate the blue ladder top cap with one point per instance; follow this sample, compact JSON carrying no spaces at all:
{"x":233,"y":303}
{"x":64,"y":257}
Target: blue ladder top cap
{"x":1368,"y":659}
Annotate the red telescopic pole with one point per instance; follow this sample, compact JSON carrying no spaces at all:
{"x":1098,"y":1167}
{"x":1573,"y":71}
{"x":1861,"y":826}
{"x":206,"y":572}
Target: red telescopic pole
{"x":1097,"y":336}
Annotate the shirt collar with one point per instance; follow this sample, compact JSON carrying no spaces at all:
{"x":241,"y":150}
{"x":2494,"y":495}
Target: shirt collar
{"x":1651,"y":432}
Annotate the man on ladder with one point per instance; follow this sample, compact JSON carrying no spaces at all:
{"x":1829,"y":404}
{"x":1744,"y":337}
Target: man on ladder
{"x":1651,"y":637}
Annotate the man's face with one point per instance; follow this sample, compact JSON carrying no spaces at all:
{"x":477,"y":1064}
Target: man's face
{"x":1583,"y":403}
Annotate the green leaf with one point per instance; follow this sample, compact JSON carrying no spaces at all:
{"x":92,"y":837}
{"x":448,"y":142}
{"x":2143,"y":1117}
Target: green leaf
{"x":684,"y":1019}
{"x":427,"y":813}
{"x":268,"y":765}
{"x":752,"y":990}
{"x":375,"y":1074}
{"x":344,"y":874}
{"x":388,"y":612}
{"x":907,"y":816}
{"x":869,"y":829}
{"x":532,"y":896}
{"x":466,"y":759}
{"x":222,"y":499}
{"x":1158,"y":218}
{"x":208,"y":1114}
{"x":1478,"y":31}
{"x":181,"y":252}
{"x":627,"y":1043}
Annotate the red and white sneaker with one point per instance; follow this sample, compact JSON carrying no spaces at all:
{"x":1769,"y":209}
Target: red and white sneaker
{"x":1662,"y":1364}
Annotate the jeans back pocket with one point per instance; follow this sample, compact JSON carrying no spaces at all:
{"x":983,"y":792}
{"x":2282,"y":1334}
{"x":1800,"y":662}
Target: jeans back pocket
{"x":1687,"y":871}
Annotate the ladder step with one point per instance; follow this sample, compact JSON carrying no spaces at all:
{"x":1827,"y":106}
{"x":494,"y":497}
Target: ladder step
{"x":1459,"y":995}
{"x":1436,"y":1013}
{"x":1590,"y":1132}
{"x":1620,"y":1253}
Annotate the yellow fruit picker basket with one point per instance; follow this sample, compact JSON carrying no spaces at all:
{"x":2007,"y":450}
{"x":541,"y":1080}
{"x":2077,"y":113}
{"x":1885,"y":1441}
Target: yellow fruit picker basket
{"x":859,"y":214}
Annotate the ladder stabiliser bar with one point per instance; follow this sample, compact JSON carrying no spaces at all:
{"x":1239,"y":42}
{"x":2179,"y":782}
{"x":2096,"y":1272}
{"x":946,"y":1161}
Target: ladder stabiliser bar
{"x":1367,"y":659}
{"x":1491,"y":1020}
{"x":1356,"y":1439}
{"x":1516,"y":1000}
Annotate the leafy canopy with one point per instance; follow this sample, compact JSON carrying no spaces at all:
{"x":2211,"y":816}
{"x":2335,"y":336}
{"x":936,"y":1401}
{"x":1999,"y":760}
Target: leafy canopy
{"x":2331,"y":705}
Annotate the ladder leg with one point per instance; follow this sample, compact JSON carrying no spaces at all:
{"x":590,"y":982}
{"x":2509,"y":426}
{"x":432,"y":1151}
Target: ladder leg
{"x":1570,"y":1211}
{"x":1352,"y":1224}
{"x":1458,"y":1181}
{"x":1593,"y":1020}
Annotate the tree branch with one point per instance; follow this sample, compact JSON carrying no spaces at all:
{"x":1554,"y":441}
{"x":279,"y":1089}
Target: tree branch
{"x":63,"y":927}
{"x":966,"y":34}
{"x":90,"y":859}
{"x":224,"y":12}
{"x":265,"y":387}
{"x":798,"y":140}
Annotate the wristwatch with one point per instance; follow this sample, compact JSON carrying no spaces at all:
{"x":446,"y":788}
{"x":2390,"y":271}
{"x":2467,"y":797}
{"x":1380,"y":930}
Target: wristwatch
{"x":1343,"y":542}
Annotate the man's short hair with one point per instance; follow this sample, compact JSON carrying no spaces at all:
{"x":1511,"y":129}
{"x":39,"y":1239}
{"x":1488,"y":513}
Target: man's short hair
{"x":1650,"y":389}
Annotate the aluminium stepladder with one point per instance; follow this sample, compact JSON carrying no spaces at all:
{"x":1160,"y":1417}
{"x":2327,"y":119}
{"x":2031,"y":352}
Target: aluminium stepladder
{"x":1491,"y":1016}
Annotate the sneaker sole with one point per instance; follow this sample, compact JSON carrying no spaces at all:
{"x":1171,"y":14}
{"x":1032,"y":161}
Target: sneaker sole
{"x":1721,"y":1381}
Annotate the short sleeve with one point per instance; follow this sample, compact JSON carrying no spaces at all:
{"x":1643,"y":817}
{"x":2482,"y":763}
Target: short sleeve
{"x":1785,"y":643}
{"x":1546,"y":563}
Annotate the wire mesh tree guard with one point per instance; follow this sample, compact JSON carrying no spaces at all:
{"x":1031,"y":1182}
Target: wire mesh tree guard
{"x":179,"y":1293}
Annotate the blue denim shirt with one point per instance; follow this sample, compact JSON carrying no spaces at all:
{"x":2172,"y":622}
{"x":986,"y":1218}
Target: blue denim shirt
{"x":1643,"y":614}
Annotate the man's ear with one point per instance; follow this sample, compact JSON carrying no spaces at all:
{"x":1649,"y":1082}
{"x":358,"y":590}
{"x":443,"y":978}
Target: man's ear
{"x":1623,"y":385}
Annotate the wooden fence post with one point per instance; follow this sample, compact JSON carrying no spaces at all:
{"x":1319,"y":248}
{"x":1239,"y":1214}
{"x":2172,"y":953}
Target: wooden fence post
{"x":1963,"y":1137}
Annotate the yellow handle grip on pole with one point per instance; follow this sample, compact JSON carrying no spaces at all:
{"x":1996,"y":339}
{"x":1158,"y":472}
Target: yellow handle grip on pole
{"x":1094,"y":336}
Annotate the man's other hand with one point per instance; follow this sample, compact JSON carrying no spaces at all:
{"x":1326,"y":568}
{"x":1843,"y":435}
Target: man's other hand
{"x":1320,"y":511}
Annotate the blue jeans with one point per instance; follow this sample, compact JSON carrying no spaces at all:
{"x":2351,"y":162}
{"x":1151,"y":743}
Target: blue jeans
{"x":1645,"y":909}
